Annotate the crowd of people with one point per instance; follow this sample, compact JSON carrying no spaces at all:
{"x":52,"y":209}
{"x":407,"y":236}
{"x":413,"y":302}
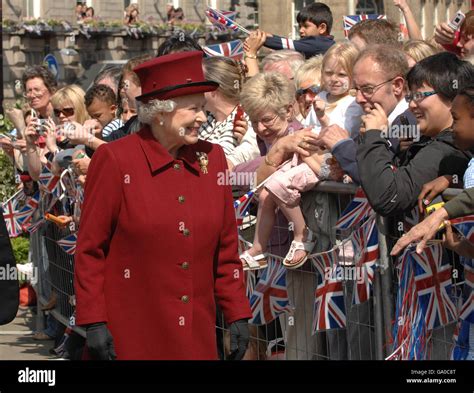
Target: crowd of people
{"x":323,"y":110}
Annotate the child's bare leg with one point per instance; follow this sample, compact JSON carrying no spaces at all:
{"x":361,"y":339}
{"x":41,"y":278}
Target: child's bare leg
{"x":295,"y":218}
{"x":265,"y":222}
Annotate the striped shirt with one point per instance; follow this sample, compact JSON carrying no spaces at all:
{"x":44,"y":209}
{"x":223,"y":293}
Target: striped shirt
{"x":112,"y":126}
{"x":221,"y":133}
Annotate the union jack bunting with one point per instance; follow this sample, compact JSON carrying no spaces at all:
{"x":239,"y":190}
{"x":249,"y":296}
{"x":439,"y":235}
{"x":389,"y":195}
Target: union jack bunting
{"x":219,"y":21}
{"x":68,"y":244}
{"x":233,"y":49}
{"x":467,"y":309}
{"x":433,"y":285}
{"x":351,"y":20}
{"x":463,"y":338}
{"x":356,"y":212}
{"x":270,"y":297}
{"x":409,"y":331}
{"x":241,"y":206}
{"x":465,"y":225}
{"x":10,"y":210}
{"x":26,"y":212}
{"x":47,"y":180}
{"x":329,"y":310}
{"x":366,"y":252}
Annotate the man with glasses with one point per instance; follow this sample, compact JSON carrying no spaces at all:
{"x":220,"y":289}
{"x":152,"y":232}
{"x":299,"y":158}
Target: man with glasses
{"x":400,"y":179}
{"x":378,"y":77}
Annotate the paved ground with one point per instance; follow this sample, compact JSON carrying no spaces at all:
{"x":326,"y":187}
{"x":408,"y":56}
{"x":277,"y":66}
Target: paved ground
{"x":16,"y":341}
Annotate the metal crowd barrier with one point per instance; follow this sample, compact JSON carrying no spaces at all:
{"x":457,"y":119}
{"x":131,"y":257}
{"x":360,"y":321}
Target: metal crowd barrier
{"x":367,"y":335}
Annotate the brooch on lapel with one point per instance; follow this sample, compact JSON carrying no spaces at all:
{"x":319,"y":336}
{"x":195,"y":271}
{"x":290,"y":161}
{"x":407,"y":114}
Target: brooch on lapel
{"x":203,"y":161}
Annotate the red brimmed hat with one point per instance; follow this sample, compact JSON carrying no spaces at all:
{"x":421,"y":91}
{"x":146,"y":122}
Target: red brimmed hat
{"x":174,"y":75}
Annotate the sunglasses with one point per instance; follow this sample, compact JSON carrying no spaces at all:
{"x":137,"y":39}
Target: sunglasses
{"x":312,"y":89}
{"x":65,"y":111}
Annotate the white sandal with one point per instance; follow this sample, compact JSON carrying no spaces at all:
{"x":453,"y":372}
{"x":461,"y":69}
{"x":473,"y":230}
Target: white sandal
{"x":253,"y":263}
{"x":307,"y":246}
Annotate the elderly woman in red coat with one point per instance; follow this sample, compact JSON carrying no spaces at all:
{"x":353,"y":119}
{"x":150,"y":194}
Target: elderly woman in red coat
{"x":157,"y":244}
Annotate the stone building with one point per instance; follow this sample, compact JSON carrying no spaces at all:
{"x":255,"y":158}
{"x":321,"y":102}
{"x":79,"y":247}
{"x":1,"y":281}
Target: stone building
{"x":21,"y":49}
{"x":277,"y":16}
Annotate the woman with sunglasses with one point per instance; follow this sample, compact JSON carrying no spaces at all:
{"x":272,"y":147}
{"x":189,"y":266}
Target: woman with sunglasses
{"x":68,"y":107}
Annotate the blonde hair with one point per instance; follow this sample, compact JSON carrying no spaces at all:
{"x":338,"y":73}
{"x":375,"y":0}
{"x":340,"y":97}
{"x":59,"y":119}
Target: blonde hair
{"x":267,"y":91}
{"x":310,"y":70}
{"x":418,"y":49}
{"x":227,"y":72}
{"x":75,"y":95}
{"x":345,"y":53}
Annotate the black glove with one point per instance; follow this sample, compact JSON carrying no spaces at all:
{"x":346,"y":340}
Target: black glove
{"x":239,"y":339}
{"x":100,"y":342}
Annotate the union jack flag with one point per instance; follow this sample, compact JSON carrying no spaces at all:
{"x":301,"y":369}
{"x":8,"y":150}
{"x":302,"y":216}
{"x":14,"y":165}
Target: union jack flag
{"x":241,"y":206}
{"x":270,"y":296}
{"x":33,"y":227}
{"x":467,"y":309}
{"x":352,"y":20}
{"x":10,"y":210}
{"x":233,"y":49}
{"x":465,"y":225}
{"x":356,"y":212}
{"x":329,"y":310}
{"x":433,"y":285}
{"x":26,"y":212}
{"x":68,"y":244}
{"x":47,"y":180}
{"x":222,"y":19}
{"x":366,"y":249}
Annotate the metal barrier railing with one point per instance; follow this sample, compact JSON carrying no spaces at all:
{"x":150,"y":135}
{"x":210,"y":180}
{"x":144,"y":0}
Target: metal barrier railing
{"x":367,"y":335}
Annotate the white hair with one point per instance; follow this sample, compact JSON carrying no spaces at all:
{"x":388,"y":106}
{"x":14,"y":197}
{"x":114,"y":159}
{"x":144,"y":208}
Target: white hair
{"x":148,"y":111}
{"x":294,"y":59}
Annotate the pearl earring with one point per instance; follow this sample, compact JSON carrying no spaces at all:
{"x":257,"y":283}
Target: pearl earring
{"x":161,"y":122}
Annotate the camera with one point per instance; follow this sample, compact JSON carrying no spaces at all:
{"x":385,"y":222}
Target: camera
{"x":40,"y":126}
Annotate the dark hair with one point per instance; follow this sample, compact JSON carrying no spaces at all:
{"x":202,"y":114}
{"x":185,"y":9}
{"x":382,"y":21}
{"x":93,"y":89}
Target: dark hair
{"x":91,"y":8}
{"x":444,"y":72}
{"x":377,"y":31}
{"x":43,"y":73}
{"x":178,"y":42}
{"x":317,"y":13}
{"x":102,"y":92}
{"x":113,"y":72}
{"x":468,"y":92}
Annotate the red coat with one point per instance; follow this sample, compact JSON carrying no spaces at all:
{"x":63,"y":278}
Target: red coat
{"x":157,"y":246}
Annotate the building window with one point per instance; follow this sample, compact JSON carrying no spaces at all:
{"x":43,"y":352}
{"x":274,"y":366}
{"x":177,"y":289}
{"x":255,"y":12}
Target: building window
{"x":370,"y":7}
{"x":297,"y":6}
{"x":33,"y":8}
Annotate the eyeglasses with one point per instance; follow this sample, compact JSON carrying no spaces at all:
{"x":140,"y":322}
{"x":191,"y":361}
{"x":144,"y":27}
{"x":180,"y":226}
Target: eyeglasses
{"x":65,"y":111}
{"x":419,"y":96}
{"x":267,"y":122}
{"x":369,"y":91}
{"x":35,"y":93}
{"x":315,"y":90}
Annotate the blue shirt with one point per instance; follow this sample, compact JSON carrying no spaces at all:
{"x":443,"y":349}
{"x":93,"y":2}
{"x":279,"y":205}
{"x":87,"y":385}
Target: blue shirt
{"x":469,"y":175}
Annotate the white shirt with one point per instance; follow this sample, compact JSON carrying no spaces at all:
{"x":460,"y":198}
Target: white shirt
{"x":401,"y":107}
{"x":346,"y":113}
